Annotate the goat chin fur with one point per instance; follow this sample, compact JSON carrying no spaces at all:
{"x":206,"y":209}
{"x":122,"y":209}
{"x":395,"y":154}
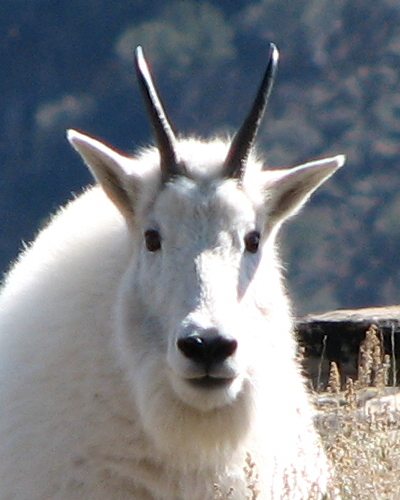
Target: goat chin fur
{"x":79,"y":419}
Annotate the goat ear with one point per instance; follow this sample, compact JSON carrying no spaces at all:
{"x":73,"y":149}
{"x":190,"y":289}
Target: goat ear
{"x":288,"y":190}
{"x":109,"y":168}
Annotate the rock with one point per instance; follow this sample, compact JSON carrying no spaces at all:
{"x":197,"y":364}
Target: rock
{"x":378,"y":408}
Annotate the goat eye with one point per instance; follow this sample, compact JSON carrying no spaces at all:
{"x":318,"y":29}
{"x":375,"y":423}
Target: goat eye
{"x":252,"y":241}
{"x":153,"y":240}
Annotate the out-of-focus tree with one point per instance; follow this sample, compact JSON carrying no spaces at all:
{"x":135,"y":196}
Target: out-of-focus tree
{"x":70,"y":64}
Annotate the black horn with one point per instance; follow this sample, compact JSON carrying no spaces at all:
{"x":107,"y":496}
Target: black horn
{"x":242,"y":142}
{"x":170,"y":163}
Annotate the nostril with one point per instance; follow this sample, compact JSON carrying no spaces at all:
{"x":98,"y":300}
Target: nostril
{"x":192,"y":347}
{"x":223,"y":348}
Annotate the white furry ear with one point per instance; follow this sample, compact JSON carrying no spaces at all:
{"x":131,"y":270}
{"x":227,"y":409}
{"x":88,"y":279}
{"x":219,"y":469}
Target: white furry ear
{"x":109,"y":168}
{"x":288,"y":190}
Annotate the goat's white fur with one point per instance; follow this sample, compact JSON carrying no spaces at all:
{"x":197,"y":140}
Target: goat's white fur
{"x":95,"y":401}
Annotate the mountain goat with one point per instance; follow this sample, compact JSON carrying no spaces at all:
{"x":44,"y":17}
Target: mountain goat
{"x":146,"y":346}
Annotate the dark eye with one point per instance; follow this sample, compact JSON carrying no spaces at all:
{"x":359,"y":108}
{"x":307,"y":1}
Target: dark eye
{"x":153,"y":240}
{"x":252,"y":241}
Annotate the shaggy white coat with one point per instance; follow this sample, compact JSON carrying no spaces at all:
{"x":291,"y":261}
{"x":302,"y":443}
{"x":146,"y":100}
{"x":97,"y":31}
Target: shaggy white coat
{"x":95,"y":402}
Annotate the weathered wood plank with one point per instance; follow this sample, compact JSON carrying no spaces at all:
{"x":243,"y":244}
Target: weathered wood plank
{"x":336,"y":336}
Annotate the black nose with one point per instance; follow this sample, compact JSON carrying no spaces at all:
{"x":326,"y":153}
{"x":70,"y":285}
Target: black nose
{"x":207,"y":349}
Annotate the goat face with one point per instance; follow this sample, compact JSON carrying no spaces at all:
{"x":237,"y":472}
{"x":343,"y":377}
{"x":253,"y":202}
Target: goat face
{"x":198,"y":301}
{"x":203,"y":218}
{"x":183,"y":299}
{"x":195,"y":269}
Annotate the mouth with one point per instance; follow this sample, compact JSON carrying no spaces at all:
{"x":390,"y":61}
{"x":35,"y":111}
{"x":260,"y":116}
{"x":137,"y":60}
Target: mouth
{"x":208,"y":382}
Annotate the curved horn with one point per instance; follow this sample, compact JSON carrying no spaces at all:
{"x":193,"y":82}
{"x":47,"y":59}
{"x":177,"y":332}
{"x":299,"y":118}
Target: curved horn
{"x":169,"y":161}
{"x":242,"y":142}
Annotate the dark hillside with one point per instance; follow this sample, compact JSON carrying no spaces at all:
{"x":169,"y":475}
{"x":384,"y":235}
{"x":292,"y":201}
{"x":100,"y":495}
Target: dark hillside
{"x":69,"y":64}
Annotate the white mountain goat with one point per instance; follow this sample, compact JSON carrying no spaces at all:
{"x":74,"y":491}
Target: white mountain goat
{"x":146,"y":346}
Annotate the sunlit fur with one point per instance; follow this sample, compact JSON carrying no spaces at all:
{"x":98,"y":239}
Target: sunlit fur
{"x":95,"y":402}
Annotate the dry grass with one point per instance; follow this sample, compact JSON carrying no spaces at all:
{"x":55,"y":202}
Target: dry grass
{"x":360,"y":427}
{"x":252,"y":483}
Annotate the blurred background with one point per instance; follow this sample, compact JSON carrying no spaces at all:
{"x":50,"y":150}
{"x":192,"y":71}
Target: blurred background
{"x":69,"y":64}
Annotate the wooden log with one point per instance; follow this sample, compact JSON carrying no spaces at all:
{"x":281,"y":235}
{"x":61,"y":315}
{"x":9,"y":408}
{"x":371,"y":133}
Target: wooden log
{"x":336,"y":336}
